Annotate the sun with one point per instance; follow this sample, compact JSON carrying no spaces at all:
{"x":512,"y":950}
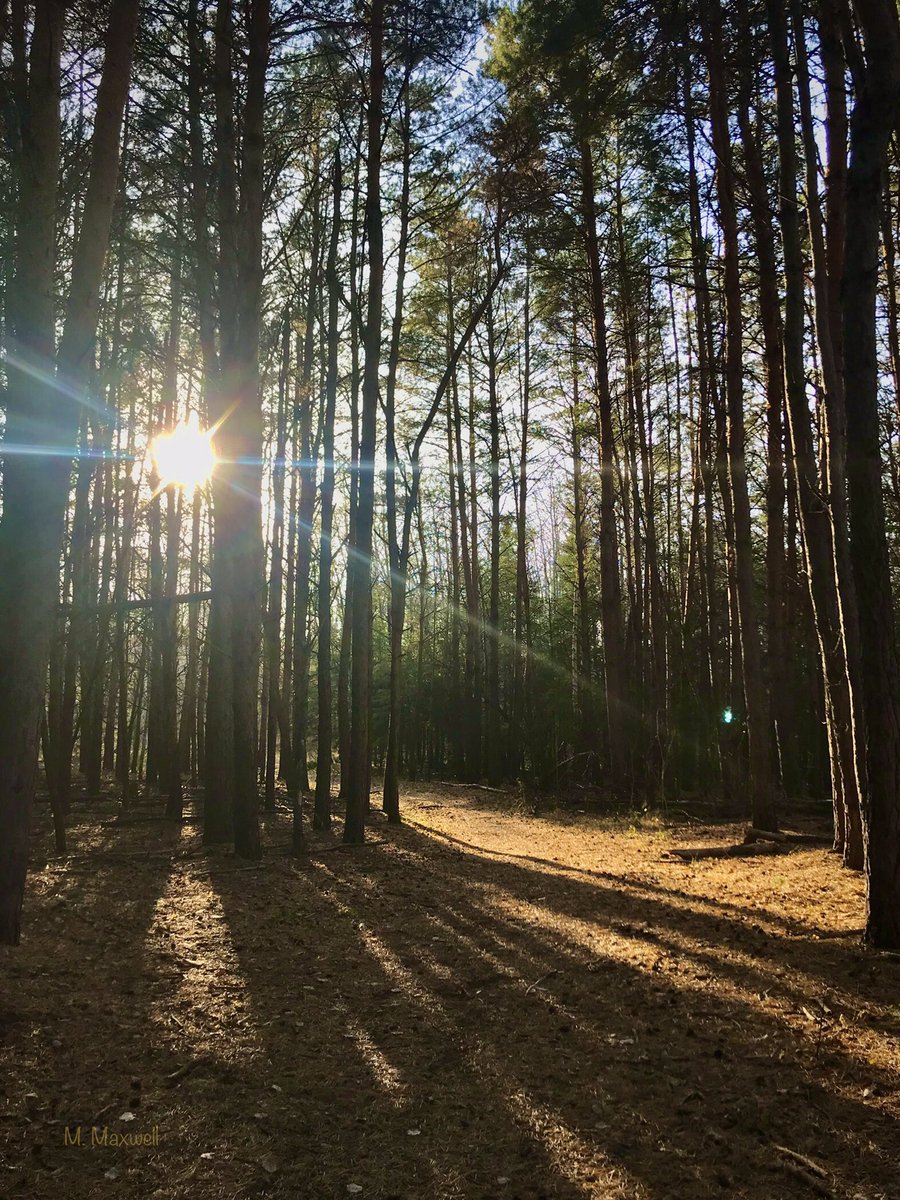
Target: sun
{"x":184,"y":456}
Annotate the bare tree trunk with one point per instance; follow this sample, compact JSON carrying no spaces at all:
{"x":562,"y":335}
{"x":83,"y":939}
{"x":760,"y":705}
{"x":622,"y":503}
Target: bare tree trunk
{"x":232,"y":801}
{"x":322,"y":815}
{"x":218,"y":800}
{"x":474,"y":666}
{"x":835,"y":441}
{"x":397,"y":610}
{"x":361,"y":543}
{"x":872,"y":121}
{"x":756,"y":698}
{"x":610,"y":584}
{"x":584,"y":698}
{"x":522,"y":705}
{"x":492,"y":658}
{"x":247,"y":440}
{"x":275,"y":716}
{"x":304,"y":406}
{"x":711,"y":673}
{"x":770,"y":320}
{"x":187,"y":734}
{"x":817,"y":530}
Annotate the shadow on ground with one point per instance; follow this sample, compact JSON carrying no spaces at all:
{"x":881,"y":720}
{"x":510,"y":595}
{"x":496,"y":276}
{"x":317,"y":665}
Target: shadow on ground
{"x":421,"y":1018}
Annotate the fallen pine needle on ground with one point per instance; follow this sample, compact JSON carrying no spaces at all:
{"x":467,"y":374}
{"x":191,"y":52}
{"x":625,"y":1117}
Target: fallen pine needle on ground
{"x":486,"y":1003}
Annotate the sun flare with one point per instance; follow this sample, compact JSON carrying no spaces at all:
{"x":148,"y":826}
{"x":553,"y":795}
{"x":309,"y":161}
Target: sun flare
{"x":184,"y":456}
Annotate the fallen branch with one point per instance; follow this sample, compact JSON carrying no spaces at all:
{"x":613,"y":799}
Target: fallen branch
{"x":745,"y":850}
{"x":763,"y":835}
{"x":785,"y":838}
{"x":808,"y":1163}
{"x":815,"y":1184}
{"x":801,"y":1167}
{"x":479,"y":787}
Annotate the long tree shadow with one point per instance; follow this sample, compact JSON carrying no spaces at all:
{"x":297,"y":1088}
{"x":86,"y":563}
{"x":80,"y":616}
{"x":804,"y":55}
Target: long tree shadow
{"x":693,"y":922}
{"x":780,"y":920}
{"x":372,"y":1090}
{"x":420,"y":1019}
{"x":71,"y":1045}
{"x":586,"y":1070}
{"x":713,"y":1043}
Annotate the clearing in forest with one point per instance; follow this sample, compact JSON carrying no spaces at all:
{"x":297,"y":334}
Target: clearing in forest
{"x":483,"y":1003}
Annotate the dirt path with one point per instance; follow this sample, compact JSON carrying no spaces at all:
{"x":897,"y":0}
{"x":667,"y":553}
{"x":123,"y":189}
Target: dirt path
{"x":480,"y":1004}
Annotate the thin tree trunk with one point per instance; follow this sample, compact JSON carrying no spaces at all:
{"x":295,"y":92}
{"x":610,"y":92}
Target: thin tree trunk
{"x":756,"y":698}
{"x":322,"y":814}
{"x":610,"y":583}
{"x":397,"y":610}
{"x":492,"y":658}
{"x":361,"y":542}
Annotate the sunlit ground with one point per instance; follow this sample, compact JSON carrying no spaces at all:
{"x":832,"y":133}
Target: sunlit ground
{"x":482,"y":1004}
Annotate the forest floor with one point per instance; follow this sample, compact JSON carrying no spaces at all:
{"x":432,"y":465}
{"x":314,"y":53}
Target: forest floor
{"x":483,"y":1003}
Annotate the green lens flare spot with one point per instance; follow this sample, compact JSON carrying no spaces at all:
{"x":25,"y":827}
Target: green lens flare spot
{"x":727,"y":716}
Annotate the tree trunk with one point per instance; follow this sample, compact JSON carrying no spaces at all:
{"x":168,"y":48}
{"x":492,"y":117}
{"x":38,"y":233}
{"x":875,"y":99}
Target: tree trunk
{"x":759,"y":732}
{"x":872,"y":121}
{"x":397,"y":611}
{"x":360,"y":564}
{"x":322,"y":814}
{"x":610,"y":584}
{"x":492,"y":658}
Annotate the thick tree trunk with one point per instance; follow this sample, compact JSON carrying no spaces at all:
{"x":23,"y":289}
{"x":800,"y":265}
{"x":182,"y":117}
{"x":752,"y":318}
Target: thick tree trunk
{"x":816,"y":525}
{"x":236,"y":615}
{"x":245,"y":531}
{"x":872,"y":121}
{"x":218,"y":801}
{"x":835,"y":440}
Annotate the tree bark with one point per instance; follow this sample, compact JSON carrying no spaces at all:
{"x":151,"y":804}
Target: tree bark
{"x":759,"y":731}
{"x":872,"y":121}
{"x":322,"y":814}
{"x":360,"y":563}
{"x":610,"y":584}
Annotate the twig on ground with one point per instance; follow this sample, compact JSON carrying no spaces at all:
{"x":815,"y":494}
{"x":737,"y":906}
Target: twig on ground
{"x":172,"y":1079}
{"x":801,"y":1167}
{"x":531,"y":986}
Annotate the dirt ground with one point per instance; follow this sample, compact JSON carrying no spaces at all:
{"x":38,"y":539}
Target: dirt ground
{"x":483,"y":1003}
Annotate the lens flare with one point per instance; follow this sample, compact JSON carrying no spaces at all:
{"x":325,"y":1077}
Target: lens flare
{"x":184,"y":456}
